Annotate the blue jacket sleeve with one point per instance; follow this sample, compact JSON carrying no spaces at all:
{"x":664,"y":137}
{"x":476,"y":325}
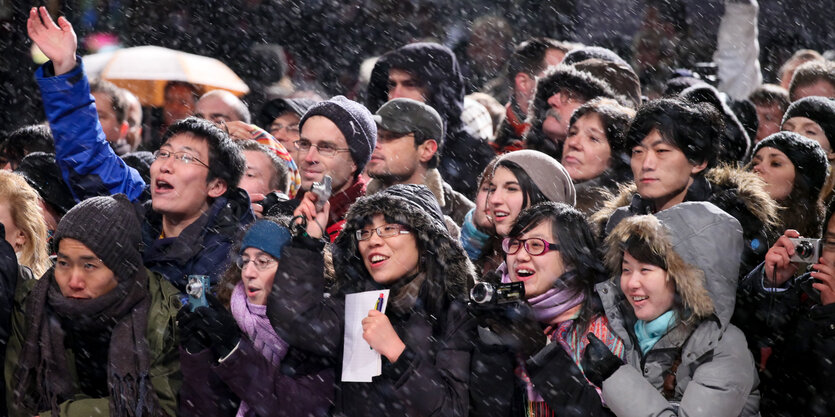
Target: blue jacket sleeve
{"x":88,"y":164}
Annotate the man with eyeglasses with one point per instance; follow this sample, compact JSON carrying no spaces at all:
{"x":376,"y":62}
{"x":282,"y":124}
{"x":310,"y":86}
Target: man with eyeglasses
{"x":195,"y":208}
{"x":281,"y":117}
{"x":410,"y":136}
{"x":336,"y":139}
{"x":560,"y":91}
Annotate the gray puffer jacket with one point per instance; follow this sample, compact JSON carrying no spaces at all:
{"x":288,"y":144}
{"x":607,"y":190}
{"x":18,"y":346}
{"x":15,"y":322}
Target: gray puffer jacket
{"x":714,"y":373}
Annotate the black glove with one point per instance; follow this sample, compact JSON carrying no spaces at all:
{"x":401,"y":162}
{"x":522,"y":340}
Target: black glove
{"x":192,"y":337}
{"x":513,"y":326}
{"x":216,"y":326}
{"x":599,"y":363}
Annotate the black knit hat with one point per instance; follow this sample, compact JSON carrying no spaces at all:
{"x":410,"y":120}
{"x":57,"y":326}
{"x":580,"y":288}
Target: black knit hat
{"x":820,"y":110}
{"x":109,"y":227}
{"x":420,"y":198}
{"x":41,"y":172}
{"x":807,"y":156}
{"x":354,"y":121}
{"x":140,"y":161}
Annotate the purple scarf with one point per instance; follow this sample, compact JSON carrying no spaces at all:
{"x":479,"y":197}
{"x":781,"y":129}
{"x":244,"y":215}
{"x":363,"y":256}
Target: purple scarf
{"x":252,"y":319}
{"x":550,"y":304}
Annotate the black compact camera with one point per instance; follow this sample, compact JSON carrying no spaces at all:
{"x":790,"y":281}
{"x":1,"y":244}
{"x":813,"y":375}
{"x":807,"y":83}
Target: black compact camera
{"x":806,"y":251}
{"x":484,"y":294}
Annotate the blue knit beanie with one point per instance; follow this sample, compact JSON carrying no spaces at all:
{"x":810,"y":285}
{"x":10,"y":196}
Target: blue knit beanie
{"x":267,"y":236}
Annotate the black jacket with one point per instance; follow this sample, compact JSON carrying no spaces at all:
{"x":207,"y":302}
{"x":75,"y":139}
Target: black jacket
{"x":463,"y":156}
{"x":430,"y":378}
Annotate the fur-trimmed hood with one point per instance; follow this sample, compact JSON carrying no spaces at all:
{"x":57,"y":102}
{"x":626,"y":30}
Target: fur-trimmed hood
{"x":700,"y":244}
{"x":561,"y":76}
{"x":441,"y":254}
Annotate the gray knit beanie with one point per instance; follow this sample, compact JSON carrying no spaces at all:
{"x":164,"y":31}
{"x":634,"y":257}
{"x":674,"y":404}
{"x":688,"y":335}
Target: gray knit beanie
{"x":546,"y":173}
{"x":354,"y":121}
{"x":109,"y":227}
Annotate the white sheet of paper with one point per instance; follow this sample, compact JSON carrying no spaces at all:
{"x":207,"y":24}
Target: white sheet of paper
{"x":360,"y":362}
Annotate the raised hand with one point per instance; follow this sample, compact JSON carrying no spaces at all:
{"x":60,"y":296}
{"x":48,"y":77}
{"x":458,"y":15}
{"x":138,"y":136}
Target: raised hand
{"x":825,"y":281}
{"x":57,"y":42}
{"x":778,"y":266}
{"x":316,"y":220}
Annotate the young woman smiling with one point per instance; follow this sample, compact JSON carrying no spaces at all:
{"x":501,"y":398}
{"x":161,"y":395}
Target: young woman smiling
{"x":671,"y":303}
{"x":395,"y":239}
{"x":552,"y":250}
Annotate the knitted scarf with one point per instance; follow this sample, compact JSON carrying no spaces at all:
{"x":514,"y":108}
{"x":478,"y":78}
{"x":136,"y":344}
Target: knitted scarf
{"x":649,"y":333}
{"x":42,"y":375}
{"x":552,"y":303}
{"x":252,"y":319}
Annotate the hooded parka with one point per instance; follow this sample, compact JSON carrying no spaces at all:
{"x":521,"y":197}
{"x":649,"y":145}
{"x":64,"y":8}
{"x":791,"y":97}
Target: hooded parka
{"x":712,"y":371}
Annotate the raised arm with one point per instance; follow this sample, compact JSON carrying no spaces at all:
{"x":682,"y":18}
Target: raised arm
{"x":87,"y":162}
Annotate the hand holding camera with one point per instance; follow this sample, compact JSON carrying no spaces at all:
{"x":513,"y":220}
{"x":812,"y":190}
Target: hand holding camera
{"x":315,"y":208}
{"x":506,"y":319}
{"x":208,"y":326}
{"x":781,"y":259}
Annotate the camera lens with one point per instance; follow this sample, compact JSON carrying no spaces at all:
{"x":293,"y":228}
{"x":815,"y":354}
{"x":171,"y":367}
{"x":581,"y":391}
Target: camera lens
{"x":804,"y":249}
{"x":481,"y":293}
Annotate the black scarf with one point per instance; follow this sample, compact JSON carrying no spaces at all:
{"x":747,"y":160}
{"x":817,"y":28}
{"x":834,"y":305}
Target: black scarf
{"x":42,"y":375}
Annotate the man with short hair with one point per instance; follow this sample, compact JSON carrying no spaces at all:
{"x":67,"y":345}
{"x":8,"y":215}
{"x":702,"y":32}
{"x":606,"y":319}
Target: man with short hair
{"x":771,"y":101}
{"x":22,"y":142}
{"x":528,"y":62}
{"x":560,"y":91}
{"x":195,"y":208}
{"x":113,"y":114}
{"x":221,"y":106}
{"x":280,"y":117}
{"x":429,"y":73}
{"x":265,"y":173}
{"x":409,"y":134}
{"x":814,"y":78}
{"x":95,"y":335}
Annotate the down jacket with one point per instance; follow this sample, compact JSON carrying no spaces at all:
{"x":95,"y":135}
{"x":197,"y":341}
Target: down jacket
{"x":430,"y":378}
{"x":716,"y":375}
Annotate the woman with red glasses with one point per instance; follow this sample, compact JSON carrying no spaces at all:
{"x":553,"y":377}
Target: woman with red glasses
{"x":551,"y":249}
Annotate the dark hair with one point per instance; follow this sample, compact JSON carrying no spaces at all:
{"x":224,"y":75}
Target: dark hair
{"x":280,"y":176}
{"x":25,"y":140}
{"x":578,"y":250}
{"x":226,"y":161}
{"x":768,"y":94}
{"x":695,"y":129}
{"x":195,"y":91}
{"x":529,"y":56}
{"x":531,"y":194}
{"x":640,"y":249}
{"x":614,"y":116}
{"x":810,"y":73}
{"x":436,"y":159}
{"x":117,"y":99}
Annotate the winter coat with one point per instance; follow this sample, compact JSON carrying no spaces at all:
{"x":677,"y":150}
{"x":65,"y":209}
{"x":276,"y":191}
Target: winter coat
{"x":162,"y":342}
{"x":202,"y":248}
{"x":463,"y":156}
{"x":799,"y":335}
{"x":592,"y":194}
{"x":452,"y":203}
{"x":91,"y":168}
{"x":430,"y":378}
{"x":737,"y":192}
{"x":300,"y":386}
{"x":11,"y":276}
{"x":715,"y":374}
{"x":562,"y":76}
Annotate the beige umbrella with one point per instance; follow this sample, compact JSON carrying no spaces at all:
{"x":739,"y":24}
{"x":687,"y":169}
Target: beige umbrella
{"x":145,"y":70}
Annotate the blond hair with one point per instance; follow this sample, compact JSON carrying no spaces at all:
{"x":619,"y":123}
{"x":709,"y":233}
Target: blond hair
{"x":25,"y":211}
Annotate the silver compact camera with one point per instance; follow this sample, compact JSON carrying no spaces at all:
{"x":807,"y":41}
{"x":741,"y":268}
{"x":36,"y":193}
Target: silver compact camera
{"x":806,"y":251}
{"x":322,"y":191}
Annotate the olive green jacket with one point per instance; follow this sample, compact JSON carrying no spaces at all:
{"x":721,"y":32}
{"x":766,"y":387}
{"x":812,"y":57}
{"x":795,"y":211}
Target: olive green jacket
{"x":162,"y":341}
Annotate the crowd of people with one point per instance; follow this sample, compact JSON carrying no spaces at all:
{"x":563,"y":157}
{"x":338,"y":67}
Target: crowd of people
{"x":581,"y":248}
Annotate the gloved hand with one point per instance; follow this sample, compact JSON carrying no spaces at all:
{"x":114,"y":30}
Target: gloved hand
{"x":599,"y":363}
{"x":192,"y":337}
{"x":216,"y":327}
{"x":513,"y":326}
